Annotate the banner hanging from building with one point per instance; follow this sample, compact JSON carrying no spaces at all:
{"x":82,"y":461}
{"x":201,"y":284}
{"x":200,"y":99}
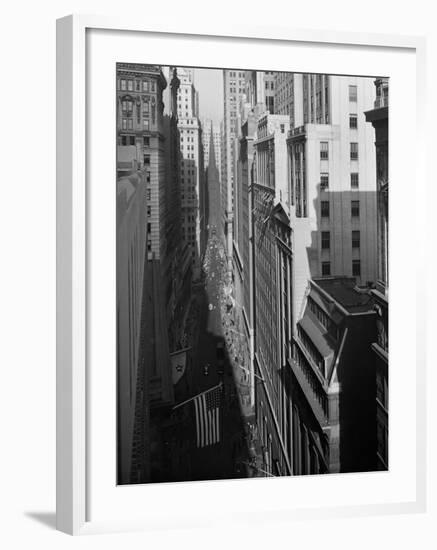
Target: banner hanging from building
{"x":178,"y":364}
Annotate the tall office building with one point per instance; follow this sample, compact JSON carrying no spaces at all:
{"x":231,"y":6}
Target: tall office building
{"x":378,"y":117}
{"x":234,"y":91}
{"x":272,"y":276}
{"x":252,"y":105}
{"x":144,"y":143}
{"x":332,"y":180}
{"x":191,"y":168}
{"x":284,"y":95}
{"x":333,"y":218}
{"x":269,"y":78}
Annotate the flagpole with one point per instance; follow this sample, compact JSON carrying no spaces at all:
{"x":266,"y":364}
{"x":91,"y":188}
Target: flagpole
{"x":195,"y":396}
{"x":177,"y":352}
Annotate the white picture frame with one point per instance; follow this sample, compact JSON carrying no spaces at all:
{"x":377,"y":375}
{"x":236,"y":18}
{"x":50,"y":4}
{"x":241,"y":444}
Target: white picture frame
{"x":74,"y":360}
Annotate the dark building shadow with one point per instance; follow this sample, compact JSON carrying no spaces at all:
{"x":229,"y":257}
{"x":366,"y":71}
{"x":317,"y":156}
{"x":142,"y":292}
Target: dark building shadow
{"x":177,"y":458}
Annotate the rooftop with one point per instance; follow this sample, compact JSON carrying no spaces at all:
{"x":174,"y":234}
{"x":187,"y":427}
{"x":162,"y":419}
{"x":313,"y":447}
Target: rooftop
{"x":344,"y":291}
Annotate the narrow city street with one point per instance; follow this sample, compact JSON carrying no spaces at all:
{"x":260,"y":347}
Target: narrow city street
{"x":208,"y":365}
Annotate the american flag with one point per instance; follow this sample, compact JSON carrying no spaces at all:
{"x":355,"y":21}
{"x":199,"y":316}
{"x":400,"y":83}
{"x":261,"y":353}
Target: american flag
{"x":207,"y":409}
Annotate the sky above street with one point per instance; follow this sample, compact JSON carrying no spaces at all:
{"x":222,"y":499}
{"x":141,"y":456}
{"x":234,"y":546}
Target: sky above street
{"x":209,"y":84}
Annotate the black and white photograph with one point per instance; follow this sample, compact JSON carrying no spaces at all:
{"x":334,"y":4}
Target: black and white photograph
{"x":251,"y":273}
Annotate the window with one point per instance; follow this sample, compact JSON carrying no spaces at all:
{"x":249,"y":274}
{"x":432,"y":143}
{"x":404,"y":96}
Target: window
{"x":145,"y":124}
{"x":326,"y":269}
{"x":356,"y":268}
{"x":354,"y":180}
{"x":355,"y":209}
{"x":124,"y":124}
{"x":355,"y":239}
{"x":126,"y":106}
{"x":353,"y":93}
{"x":282,"y":128}
{"x":145,"y":86}
{"x":123,"y":84}
{"x":354,"y":151}
{"x":146,"y":141}
{"x":353,"y":122}
{"x":326,"y":240}
{"x":130,"y":124}
{"x":324,"y":150}
{"x":130,"y":85}
{"x":131,"y":140}
{"x":146,"y":159}
{"x":324,"y":182}
{"x":324,"y":209}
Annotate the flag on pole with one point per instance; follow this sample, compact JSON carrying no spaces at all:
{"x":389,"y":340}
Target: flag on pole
{"x":207,"y":408}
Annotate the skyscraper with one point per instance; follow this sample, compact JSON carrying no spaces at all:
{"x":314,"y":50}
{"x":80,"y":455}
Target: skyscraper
{"x":191,"y":168}
{"x":332,"y":180}
{"x":234,"y":91}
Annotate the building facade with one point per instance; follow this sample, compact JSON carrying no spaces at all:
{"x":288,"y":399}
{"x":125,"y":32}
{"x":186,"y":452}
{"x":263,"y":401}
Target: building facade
{"x":148,"y":144}
{"x":331,"y":380}
{"x":233,"y":91}
{"x":378,"y":117}
{"x":272,"y":272}
{"x":332,"y":180}
{"x":191,"y":169}
{"x":284,"y":95}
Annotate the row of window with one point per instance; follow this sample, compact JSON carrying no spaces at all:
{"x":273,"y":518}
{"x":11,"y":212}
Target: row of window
{"x":128,"y":124}
{"x":324,"y":150}
{"x":356,"y":268}
{"x":234,"y":90}
{"x":324,"y":181}
{"x":325,"y":209}
{"x":130,"y":140}
{"x":129,"y":84}
{"x":326,"y":239}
